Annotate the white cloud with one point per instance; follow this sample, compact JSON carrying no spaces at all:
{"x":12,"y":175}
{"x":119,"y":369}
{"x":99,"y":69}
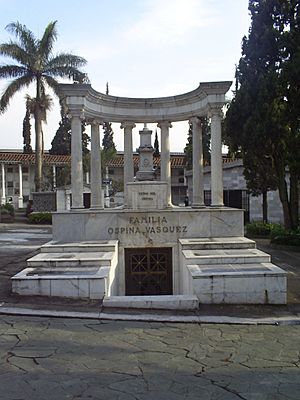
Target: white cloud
{"x":169,"y":21}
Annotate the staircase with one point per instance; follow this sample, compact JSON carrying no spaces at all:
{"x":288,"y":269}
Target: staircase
{"x":78,"y":270}
{"x":231,"y":270}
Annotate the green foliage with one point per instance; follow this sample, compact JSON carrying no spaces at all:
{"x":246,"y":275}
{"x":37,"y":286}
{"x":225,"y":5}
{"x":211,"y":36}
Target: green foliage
{"x":61,"y":143}
{"x":262,"y":122}
{"x":188,"y":150}
{"x":107,"y":155}
{"x":27,"y":149}
{"x":108,"y":138}
{"x":289,"y":239}
{"x":263,"y":229}
{"x":275,"y":232}
{"x":156,"y":146}
{"x":40,"y":218}
{"x":8,"y":209}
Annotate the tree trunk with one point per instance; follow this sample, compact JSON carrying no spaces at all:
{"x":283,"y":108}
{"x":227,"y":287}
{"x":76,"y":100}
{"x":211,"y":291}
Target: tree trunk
{"x":38,"y":149}
{"x":294,"y":197}
{"x":265,"y":205}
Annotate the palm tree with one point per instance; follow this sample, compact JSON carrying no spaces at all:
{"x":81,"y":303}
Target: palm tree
{"x":36,"y":64}
{"x":44,"y":104}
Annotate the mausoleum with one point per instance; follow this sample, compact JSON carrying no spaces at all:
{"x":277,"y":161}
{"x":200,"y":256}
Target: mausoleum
{"x":149,"y":253}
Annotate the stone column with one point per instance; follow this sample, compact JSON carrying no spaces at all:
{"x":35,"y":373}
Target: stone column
{"x":128,"y":160}
{"x":198,"y":185}
{"x":20,"y":200}
{"x":54,"y":176}
{"x":165,"y":163}
{"x":216,"y":158}
{"x":3,"y":197}
{"x":96,"y":175}
{"x":76,"y":163}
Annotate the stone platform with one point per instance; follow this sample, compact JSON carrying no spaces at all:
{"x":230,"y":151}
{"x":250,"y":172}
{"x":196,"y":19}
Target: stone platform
{"x":210,"y":258}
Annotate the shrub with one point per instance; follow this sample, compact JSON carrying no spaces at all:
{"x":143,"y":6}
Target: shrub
{"x":9,"y":208}
{"x":40,"y":218}
{"x":290,"y":239}
{"x":4,"y":211}
{"x":263,"y":229}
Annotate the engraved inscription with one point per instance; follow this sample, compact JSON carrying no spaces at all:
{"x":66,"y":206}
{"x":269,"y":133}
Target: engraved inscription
{"x":147,"y":225}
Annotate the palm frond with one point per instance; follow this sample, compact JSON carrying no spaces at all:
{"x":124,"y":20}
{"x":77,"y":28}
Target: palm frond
{"x":66,"y":59}
{"x":16,"y":52}
{"x":12,"y":71}
{"x":47,"y":41}
{"x":52,"y":83}
{"x":26,"y":37}
{"x":67,"y":72}
{"x":12,"y":88}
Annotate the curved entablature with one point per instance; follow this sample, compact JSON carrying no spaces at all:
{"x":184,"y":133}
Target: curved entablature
{"x":82,"y":98}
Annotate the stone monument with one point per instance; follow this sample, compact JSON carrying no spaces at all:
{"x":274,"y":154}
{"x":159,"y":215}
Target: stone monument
{"x":150,"y":253}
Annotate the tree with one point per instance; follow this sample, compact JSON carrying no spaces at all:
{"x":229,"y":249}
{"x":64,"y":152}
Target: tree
{"x":206,"y":136}
{"x":27,"y":149}
{"x":35,"y":63}
{"x":263,"y":118}
{"x":61,"y":143}
{"x":108,"y":144}
{"x":156,"y":145}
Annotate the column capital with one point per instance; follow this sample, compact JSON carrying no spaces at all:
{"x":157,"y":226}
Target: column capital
{"x":95,"y":122}
{"x":215,"y":111}
{"x":76,"y":113}
{"x":164,"y":124}
{"x":195,"y":121}
{"x":127,"y":124}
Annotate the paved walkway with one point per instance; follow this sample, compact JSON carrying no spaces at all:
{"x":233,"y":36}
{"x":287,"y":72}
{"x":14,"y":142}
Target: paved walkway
{"x":48,"y":358}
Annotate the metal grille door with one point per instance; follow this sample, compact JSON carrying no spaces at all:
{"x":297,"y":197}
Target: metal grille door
{"x":148,"y":271}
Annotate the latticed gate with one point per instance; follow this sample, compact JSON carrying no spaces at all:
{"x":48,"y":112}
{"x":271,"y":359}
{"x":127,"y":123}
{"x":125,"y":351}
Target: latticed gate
{"x":148,"y":271}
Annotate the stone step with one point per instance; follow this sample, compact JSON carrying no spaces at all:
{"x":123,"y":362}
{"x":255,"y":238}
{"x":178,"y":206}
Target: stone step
{"x":250,"y":283}
{"x":79,"y":247}
{"x":217,"y":243}
{"x":88,"y":282}
{"x":81,"y":259}
{"x":199,"y":271}
{"x":166,"y":302}
{"x":227,"y":256}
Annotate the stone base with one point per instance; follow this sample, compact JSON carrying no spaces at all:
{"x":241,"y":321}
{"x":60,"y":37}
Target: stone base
{"x":176,"y":302}
{"x":77,"y":283}
{"x":239,"y":284}
{"x":209,"y":258}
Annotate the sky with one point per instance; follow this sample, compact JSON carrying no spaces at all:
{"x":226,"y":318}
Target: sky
{"x":142,"y":48}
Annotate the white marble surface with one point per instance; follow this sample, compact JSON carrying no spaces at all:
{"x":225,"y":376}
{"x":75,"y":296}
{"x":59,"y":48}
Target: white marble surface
{"x":157,"y":227}
{"x":85,"y":283}
{"x":119,"y":109}
{"x":238,"y":242}
{"x":228,"y":256}
{"x":175,"y":302}
{"x":71,"y":259}
{"x":264,"y":284}
{"x":147,"y":195}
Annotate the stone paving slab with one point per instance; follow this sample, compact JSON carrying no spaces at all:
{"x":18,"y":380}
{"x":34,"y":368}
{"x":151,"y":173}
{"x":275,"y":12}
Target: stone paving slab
{"x":58,"y":358}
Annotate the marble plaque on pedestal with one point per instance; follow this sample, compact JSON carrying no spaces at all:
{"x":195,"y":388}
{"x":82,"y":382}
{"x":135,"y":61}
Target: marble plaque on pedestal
{"x":147,"y":195}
